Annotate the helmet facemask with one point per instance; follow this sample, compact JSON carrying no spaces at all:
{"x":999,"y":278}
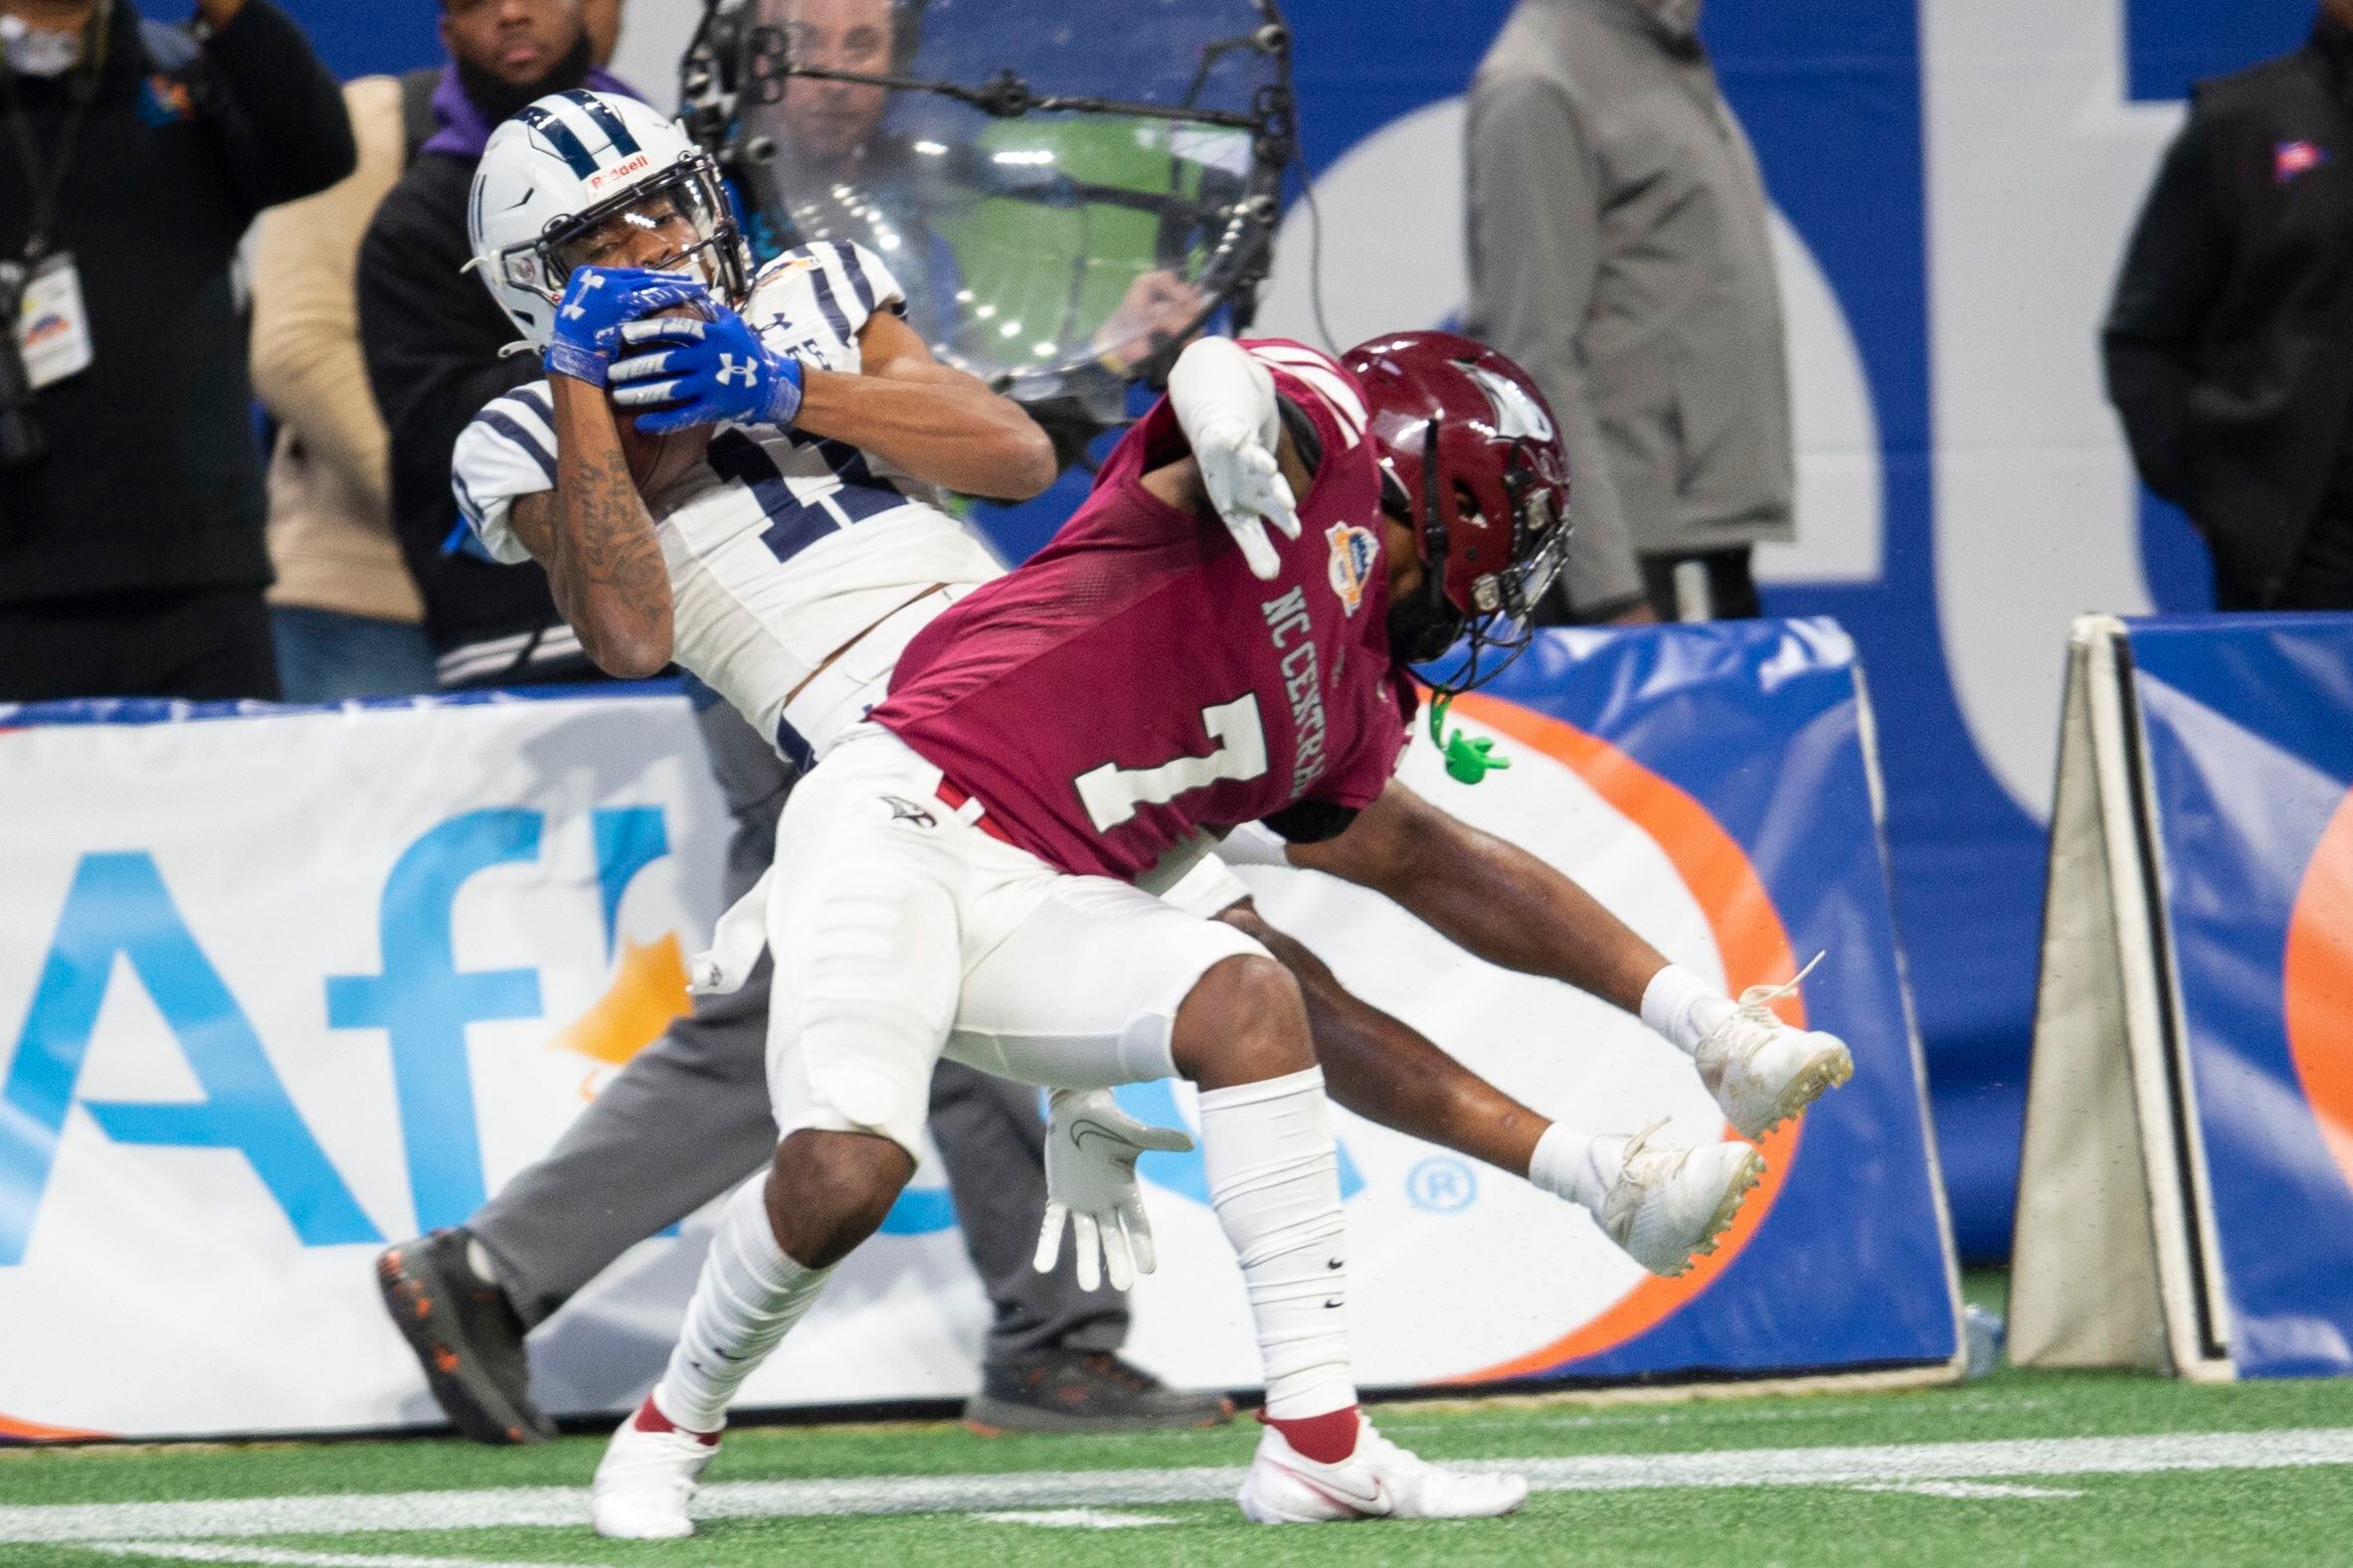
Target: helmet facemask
{"x":687,"y":196}
{"x":1494,"y":611}
{"x":1426,"y":624}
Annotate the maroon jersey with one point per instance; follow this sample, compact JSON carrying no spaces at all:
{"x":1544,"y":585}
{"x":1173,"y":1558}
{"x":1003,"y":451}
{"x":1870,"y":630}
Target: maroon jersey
{"x":1133,"y":682}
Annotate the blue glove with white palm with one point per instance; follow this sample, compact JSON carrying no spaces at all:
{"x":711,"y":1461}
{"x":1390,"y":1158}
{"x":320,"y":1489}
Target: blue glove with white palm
{"x":597,"y":300}
{"x":704,"y":372}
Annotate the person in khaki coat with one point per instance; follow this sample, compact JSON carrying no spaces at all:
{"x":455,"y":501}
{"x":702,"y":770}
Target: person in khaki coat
{"x":1620,"y":249}
{"x":344,"y":613}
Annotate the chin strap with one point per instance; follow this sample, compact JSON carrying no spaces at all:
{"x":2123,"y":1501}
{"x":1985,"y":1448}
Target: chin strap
{"x":1468,"y":761}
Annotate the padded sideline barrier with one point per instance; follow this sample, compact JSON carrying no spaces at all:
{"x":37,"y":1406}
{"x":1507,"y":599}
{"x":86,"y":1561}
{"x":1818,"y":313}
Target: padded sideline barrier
{"x":2186,"y":1195}
{"x":277,"y":987}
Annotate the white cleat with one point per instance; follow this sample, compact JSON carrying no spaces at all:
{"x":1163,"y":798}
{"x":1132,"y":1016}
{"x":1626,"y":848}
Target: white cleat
{"x":1380,"y":1481}
{"x":1666,"y":1204}
{"x":1762,"y":1071}
{"x":646,"y":1480}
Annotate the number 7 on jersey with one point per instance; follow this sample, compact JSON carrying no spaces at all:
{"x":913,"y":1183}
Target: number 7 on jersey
{"x":1111,"y":793}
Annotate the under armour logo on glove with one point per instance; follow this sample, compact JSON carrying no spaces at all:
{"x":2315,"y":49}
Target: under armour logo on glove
{"x":588,"y":277}
{"x":597,"y":300}
{"x":714,"y":372}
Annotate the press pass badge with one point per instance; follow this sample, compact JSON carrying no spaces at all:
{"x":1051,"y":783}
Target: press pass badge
{"x":51,"y":328}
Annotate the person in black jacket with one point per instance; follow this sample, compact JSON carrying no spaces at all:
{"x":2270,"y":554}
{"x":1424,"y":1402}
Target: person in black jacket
{"x":2229,"y":339}
{"x":432,"y":336}
{"x":131,"y":558}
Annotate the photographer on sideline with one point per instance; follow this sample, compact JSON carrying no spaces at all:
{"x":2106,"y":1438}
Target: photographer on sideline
{"x":132,"y":557}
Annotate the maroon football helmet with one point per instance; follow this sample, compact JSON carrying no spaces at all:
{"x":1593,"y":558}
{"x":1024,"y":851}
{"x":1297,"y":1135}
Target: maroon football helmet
{"x":1471,"y":456}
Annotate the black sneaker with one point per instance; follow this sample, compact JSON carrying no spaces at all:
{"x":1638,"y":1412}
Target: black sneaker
{"x":1084,"y":1391}
{"x":466,"y":1338}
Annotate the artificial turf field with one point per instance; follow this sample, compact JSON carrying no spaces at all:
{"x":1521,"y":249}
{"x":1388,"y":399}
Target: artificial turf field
{"x":2019,"y":1468}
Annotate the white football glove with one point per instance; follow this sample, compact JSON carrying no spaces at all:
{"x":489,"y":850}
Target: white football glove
{"x":1247,"y":486}
{"x":1091,"y":1150}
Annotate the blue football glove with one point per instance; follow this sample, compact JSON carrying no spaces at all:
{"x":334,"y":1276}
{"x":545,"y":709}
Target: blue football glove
{"x":597,"y":300}
{"x":708,"y":373}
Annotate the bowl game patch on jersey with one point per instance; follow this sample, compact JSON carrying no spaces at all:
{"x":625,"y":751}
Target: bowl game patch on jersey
{"x":1355,"y":555}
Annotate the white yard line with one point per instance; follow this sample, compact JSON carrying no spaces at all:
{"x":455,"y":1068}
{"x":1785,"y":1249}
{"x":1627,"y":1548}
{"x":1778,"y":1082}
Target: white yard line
{"x":1965,"y":1490}
{"x":1698,"y":1412}
{"x":191,"y":1553}
{"x":361,"y":1512}
{"x":1077,"y":1519}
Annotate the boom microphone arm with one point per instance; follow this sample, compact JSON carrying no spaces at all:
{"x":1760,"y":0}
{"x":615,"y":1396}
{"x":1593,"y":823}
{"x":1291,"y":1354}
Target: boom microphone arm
{"x":1006,"y":96}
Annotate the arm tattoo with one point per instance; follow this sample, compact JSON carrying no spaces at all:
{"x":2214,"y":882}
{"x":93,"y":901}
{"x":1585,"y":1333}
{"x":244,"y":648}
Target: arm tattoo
{"x":608,"y":560}
{"x":611,"y":540}
{"x":597,"y":543}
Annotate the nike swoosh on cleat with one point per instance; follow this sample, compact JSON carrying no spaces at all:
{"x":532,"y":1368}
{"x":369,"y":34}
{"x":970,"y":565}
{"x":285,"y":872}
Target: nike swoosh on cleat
{"x":1376,"y":1504}
{"x":1336,"y":1263}
{"x":1335,"y":1303}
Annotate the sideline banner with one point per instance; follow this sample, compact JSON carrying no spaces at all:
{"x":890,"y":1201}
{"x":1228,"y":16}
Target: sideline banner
{"x":2187,"y":1197}
{"x":1716,"y":787}
{"x":279,"y":988}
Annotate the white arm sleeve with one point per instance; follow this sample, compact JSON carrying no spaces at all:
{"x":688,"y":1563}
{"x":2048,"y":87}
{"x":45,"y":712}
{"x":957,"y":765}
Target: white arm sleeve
{"x":1216,"y":385}
{"x":508,"y":451}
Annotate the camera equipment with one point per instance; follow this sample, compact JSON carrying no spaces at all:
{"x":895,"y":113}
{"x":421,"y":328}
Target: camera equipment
{"x":1063,"y":205}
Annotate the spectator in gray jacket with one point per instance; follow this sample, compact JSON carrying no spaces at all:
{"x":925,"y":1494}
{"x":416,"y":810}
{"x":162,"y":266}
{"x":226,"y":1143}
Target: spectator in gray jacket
{"x":1619,"y":250}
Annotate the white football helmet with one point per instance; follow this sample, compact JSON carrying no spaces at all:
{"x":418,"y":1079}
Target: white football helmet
{"x":557,"y":180}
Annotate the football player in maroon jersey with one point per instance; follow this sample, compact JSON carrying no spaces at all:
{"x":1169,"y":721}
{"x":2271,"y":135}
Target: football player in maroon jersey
{"x":969,"y":867}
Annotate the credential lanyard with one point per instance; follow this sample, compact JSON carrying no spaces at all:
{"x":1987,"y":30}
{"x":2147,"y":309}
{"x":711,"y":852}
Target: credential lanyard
{"x":48,"y":183}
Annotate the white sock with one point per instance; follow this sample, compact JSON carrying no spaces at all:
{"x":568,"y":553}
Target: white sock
{"x":749,"y":1296}
{"x":1275,"y":1184}
{"x":1685,"y":1008}
{"x":1564,"y":1164}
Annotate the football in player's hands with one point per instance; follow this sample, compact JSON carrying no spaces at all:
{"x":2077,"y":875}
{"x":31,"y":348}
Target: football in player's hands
{"x":659,"y":459}
{"x":710,"y":372}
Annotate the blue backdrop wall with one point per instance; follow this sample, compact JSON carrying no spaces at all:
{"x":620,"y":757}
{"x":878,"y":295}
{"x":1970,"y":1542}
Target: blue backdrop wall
{"x":1963,"y":206}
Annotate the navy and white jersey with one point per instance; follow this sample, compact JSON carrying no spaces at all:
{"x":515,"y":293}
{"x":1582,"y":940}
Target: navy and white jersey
{"x":782,"y":547}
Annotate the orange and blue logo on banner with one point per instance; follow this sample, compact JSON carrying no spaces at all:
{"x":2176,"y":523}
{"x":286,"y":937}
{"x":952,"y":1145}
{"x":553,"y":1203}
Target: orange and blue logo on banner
{"x":1782,"y":861}
{"x":2247,"y":723}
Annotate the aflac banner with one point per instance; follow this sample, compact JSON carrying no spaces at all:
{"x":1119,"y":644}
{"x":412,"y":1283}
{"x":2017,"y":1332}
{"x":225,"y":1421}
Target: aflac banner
{"x":277,"y":989}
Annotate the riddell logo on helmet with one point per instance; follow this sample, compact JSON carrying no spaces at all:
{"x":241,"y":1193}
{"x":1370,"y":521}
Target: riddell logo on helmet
{"x":621,"y":171}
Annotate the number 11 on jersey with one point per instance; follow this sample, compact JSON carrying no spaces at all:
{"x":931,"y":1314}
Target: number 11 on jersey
{"x":1111,"y":793}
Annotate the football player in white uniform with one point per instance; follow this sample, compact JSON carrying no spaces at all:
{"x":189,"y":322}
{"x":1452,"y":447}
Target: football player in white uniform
{"x":790,"y":566}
